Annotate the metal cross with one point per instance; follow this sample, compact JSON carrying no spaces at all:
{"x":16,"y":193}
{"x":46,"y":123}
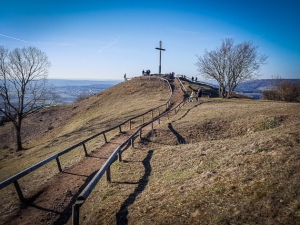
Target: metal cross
{"x":160,"y":49}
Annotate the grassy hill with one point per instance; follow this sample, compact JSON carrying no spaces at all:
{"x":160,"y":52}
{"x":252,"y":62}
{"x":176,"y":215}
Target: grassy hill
{"x":57,"y":128}
{"x":240,"y":165}
{"x":216,"y":161}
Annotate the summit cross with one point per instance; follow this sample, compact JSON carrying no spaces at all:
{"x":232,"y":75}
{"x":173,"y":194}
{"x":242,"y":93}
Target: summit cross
{"x":160,"y":49}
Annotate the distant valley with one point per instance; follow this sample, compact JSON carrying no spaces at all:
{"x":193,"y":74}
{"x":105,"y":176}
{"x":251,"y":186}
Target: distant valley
{"x":255,"y":88}
{"x":68,"y":90}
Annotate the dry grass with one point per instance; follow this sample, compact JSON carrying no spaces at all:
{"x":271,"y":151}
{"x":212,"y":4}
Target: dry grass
{"x":241,"y":173}
{"x":240,"y":163}
{"x":74,"y":123}
{"x":53,"y":130}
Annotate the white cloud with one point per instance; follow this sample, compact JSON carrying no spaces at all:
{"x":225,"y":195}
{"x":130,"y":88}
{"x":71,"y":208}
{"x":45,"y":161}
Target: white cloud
{"x":12,"y":38}
{"x":110,"y":44}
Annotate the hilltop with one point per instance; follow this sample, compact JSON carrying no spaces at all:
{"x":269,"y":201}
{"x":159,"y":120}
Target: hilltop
{"x":216,"y":161}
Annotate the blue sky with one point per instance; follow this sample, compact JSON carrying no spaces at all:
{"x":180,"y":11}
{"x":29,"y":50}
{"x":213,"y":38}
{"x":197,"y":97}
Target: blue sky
{"x":105,"y":39}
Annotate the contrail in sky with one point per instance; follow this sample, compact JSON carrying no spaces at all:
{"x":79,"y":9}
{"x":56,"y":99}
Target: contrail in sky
{"x":12,"y":38}
{"x":110,"y":44}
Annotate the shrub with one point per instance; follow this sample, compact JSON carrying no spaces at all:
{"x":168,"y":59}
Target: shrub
{"x":285,"y":91}
{"x":83,"y":96}
{"x":288,"y":91}
{"x":271,"y":95}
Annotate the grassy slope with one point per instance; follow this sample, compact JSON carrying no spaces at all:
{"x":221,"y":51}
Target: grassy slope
{"x":240,"y":166}
{"x":57,"y":128}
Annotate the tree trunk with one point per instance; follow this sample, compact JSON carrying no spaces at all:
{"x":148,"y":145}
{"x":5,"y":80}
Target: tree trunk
{"x":222,"y":92}
{"x":19,"y":140}
{"x":18,"y":132}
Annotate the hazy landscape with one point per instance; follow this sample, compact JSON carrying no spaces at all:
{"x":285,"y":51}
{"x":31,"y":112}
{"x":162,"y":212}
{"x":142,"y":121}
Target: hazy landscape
{"x":68,"y":90}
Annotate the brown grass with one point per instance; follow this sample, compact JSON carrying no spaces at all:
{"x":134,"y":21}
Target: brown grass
{"x":55,"y":129}
{"x":236,"y":174}
{"x":240,"y":163}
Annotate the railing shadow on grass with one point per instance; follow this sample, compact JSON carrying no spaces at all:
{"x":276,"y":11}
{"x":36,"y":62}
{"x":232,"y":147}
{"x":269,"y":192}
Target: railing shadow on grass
{"x":67,"y":213}
{"x":180,"y":139}
{"x":14,"y":179}
{"x":122,"y":214}
{"x":189,"y":111}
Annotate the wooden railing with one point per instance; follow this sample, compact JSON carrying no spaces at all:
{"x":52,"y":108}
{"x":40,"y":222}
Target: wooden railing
{"x":14,"y":179}
{"x":106,"y":167}
{"x":183,"y":77}
{"x":181,"y":85}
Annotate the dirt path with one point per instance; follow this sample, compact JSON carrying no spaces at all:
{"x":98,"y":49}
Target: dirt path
{"x":52,"y":204}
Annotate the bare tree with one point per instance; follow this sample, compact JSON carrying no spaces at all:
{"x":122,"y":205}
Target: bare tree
{"x":231,"y":65}
{"x":23,"y":88}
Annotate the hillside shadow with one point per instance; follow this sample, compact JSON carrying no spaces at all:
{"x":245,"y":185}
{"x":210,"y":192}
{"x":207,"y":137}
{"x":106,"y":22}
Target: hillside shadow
{"x":180,"y":139}
{"x":122,"y":214}
{"x":189,"y":111}
{"x":66,"y":214}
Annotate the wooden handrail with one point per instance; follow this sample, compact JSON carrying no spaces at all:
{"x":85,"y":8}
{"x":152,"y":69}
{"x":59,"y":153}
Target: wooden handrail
{"x":91,"y":185}
{"x":21,"y":174}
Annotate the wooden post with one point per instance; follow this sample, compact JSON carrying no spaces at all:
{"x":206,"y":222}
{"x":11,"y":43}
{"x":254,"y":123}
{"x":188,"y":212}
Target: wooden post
{"x":120,"y":129}
{"x":152,"y":113}
{"x":104,"y":137}
{"x":158,"y":120}
{"x":168,"y":115}
{"x":75,"y":214}
{"x":120,"y":156}
{"x":58,"y":164}
{"x":129,"y":124}
{"x":132,"y":142}
{"x":108,"y":178}
{"x":84,"y":148}
{"x":140,"y":134}
{"x":143,"y":119}
{"x":19,"y":191}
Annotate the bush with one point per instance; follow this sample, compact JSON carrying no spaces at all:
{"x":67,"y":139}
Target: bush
{"x":83,"y":96}
{"x":271,"y":95}
{"x":285,"y":91}
{"x":289,"y":92}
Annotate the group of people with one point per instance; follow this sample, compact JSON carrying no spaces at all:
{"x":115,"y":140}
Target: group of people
{"x":147,"y":72}
{"x":196,"y":95}
{"x":196,"y":79}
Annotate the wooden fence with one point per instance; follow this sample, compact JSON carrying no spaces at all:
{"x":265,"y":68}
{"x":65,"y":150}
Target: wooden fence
{"x":181,"y":85}
{"x":14,"y":179}
{"x":106,"y":167}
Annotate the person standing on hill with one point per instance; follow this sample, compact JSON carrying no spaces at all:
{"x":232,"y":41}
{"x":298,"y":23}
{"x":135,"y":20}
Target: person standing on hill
{"x":192,"y":96}
{"x":199,"y":94}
